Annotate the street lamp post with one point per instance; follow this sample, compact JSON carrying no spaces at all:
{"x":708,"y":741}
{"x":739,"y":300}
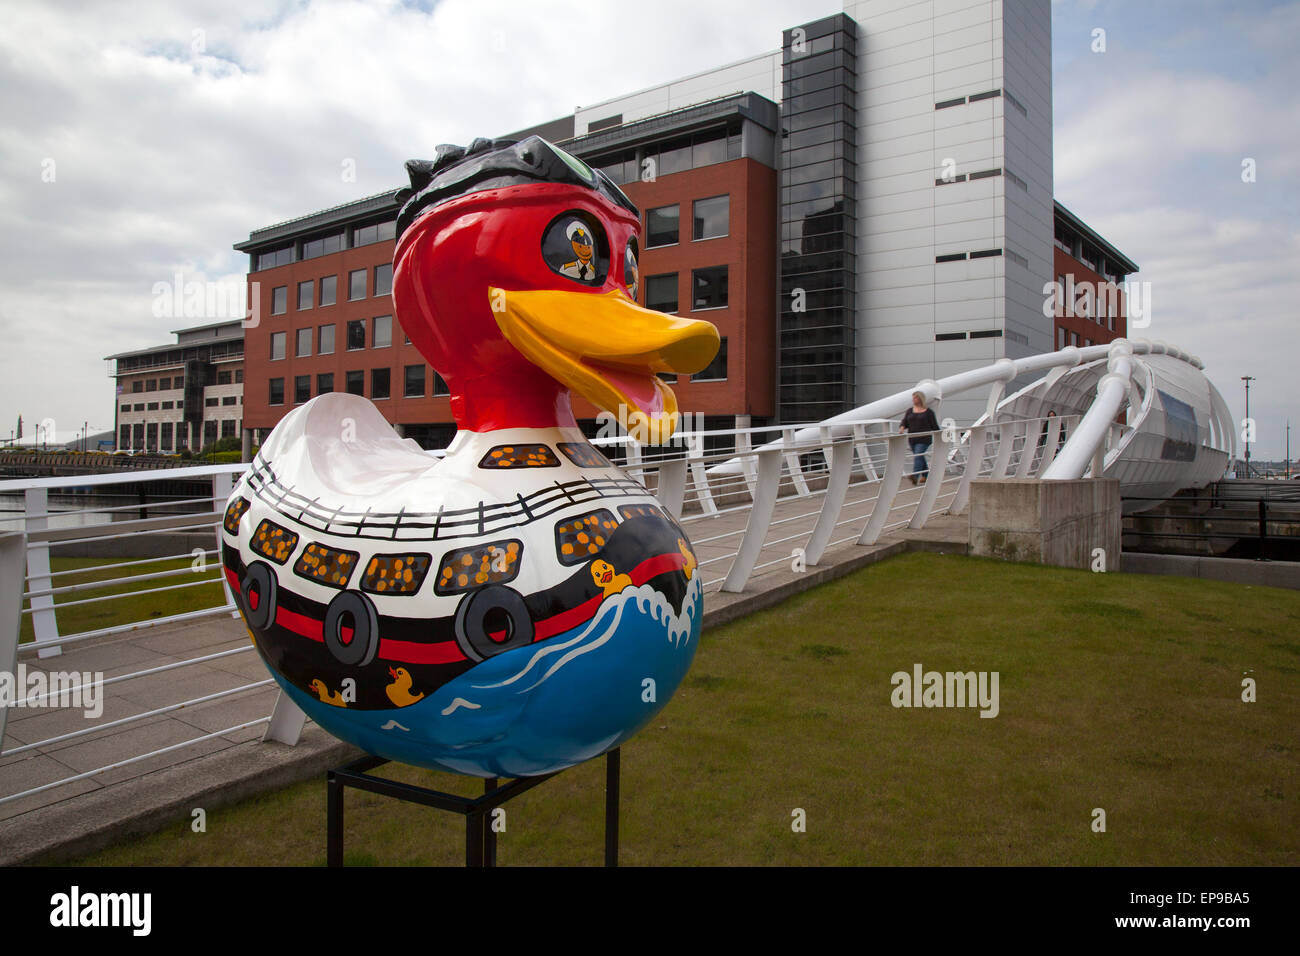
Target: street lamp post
{"x":1247,"y":379}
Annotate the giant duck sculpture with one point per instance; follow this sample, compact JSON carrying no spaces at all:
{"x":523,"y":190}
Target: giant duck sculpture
{"x":520,"y":605}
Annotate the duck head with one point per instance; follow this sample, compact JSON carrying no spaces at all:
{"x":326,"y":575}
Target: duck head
{"x":516,"y":274}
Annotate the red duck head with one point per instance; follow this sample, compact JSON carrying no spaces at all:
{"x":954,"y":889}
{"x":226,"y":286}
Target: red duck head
{"x":515,"y":275}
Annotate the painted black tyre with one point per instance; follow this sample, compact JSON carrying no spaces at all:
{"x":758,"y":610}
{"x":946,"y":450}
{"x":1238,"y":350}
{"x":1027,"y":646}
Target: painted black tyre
{"x":259,"y":592}
{"x":352,"y":609}
{"x":492,"y":609}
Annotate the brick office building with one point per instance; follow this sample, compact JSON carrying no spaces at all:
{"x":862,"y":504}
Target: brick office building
{"x":184,"y":395}
{"x":1090,"y":273}
{"x":866,"y":206}
{"x":705,"y":180}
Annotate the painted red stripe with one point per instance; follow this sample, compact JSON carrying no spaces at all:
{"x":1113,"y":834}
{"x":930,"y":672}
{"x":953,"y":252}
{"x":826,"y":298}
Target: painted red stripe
{"x":232,"y":578}
{"x":411,"y":652}
{"x":300,"y":624}
{"x":567,"y":620}
{"x":659,"y":564}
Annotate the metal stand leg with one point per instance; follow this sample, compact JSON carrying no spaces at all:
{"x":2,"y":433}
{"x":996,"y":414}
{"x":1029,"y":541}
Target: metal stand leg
{"x":613,"y":760}
{"x":489,"y":834}
{"x":334,"y":820}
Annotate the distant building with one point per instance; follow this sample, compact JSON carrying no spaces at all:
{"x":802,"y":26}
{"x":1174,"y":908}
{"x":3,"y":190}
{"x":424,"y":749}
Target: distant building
{"x":184,"y":395}
{"x":867,"y":206}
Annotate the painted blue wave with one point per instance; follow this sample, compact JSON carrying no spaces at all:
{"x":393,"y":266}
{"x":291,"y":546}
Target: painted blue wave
{"x":541,"y":708}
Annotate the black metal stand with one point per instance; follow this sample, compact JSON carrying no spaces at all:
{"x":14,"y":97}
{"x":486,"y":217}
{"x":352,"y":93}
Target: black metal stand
{"x":480,"y":838}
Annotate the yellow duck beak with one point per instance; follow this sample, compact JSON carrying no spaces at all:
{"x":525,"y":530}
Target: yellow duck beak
{"x":607,"y":348}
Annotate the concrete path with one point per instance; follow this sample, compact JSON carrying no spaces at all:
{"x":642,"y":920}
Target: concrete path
{"x":138,"y":797}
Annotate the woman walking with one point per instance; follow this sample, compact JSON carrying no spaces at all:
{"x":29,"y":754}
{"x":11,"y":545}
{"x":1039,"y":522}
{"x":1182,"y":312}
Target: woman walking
{"x":919,"y":419}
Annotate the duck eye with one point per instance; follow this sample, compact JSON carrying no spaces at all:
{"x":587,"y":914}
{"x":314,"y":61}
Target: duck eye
{"x":574,"y":245}
{"x":631,"y":273}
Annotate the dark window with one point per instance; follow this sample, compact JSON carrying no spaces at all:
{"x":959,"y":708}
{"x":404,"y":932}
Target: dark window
{"x":674,"y":157}
{"x":211,"y":402}
{"x":224,"y":378}
{"x":126,"y":408}
{"x":279,"y":257}
{"x":953,"y":257}
{"x":151,"y":385}
{"x":356,"y":383}
{"x":168,"y":406}
{"x":376,"y":232}
{"x":139,"y":406}
{"x":949,"y":336}
{"x":276,"y":392}
{"x":710,"y":288}
{"x":230,"y":400}
{"x":414,"y":381}
{"x":325,"y":340}
{"x":356,"y":334}
{"x":440,"y":387}
{"x":178,"y":382}
{"x":239,"y":375}
{"x":380,"y":380}
{"x":329,"y":290}
{"x":985,"y":96}
{"x":717,"y":370}
{"x":164,"y":384}
{"x":137,"y":435}
{"x":357,"y":284}
{"x":277,"y":352}
{"x":137,"y":386}
{"x":661,"y":226}
{"x":322,"y":246}
{"x":151,"y":441}
{"x":152,"y":406}
{"x":303,"y":347}
{"x":947,"y":103}
{"x":712,"y":217}
{"x":986,"y":253}
{"x":661,"y":292}
{"x":324,"y":383}
{"x":383,"y":332}
{"x":165,"y":441}
{"x":301,"y":388}
{"x":279,"y":300}
{"x":384,"y":279}
{"x":124,"y":437}
{"x":986,"y":174}
{"x":305,"y":291}
{"x":228,"y":428}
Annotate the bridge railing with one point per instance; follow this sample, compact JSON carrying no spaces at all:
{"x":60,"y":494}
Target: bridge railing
{"x":789,"y":505}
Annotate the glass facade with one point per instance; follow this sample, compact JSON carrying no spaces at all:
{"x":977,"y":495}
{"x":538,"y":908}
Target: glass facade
{"x":818,"y":220}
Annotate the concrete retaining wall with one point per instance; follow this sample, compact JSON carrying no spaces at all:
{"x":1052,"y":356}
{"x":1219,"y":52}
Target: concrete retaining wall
{"x":1046,"y":522}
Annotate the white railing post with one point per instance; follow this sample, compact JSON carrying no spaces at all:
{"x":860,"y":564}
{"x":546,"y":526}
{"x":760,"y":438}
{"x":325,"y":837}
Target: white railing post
{"x":45,"y":625}
{"x":699,"y":478}
{"x":837,"y":485}
{"x":896,"y":457}
{"x":1006,"y":440}
{"x":863,"y":452}
{"x":760,"y":518}
{"x":1029,"y":449}
{"x":633,"y":466}
{"x":670,"y":489}
{"x":933,"y":481}
{"x":975,"y":440}
{"x":744,"y":447}
{"x":792,"y":462}
{"x":13,"y":551}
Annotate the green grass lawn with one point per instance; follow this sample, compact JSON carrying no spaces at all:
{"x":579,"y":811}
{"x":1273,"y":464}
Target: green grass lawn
{"x":1119,"y":692}
{"x":100,"y":613}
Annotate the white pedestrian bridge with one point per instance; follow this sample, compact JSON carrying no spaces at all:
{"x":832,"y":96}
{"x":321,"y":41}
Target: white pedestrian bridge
{"x":754,"y":500}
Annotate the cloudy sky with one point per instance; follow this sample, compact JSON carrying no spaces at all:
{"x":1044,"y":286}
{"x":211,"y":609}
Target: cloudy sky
{"x":141,"y":140}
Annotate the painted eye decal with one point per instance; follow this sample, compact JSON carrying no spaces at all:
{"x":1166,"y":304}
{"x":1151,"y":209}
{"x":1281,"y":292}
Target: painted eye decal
{"x":631,"y":273}
{"x":574,"y":245}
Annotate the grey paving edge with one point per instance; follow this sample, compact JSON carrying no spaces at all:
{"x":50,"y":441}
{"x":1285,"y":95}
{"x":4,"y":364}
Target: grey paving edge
{"x":114,"y":814}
